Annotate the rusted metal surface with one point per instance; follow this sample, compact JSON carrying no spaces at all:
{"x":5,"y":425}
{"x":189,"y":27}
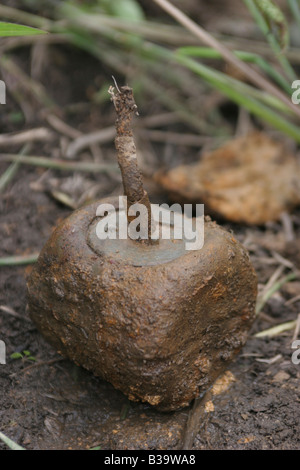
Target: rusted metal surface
{"x":126,"y":107}
{"x":161,"y":333}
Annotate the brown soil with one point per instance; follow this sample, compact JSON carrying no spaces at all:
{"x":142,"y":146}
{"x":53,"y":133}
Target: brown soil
{"x":53,"y":404}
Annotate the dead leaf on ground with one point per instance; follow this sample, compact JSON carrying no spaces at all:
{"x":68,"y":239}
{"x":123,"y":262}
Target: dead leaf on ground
{"x":222,"y":383}
{"x":250,"y":180}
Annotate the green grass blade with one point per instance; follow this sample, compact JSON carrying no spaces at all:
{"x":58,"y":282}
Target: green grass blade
{"x":276,"y":330}
{"x":261,"y":302}
{"x":19,"y":260}
{"x":10,"y":172}
{"x":7,"y":176}
{"x":12,"y":29}
{"x":252,"y":99}
{"x":220,"y":82}
{"x":209,"y":53}
{"x":11,"y":444}
{"x":273,"y":42}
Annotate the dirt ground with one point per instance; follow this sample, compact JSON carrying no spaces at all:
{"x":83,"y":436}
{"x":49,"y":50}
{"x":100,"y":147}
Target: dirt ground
{"x":50,"y":403}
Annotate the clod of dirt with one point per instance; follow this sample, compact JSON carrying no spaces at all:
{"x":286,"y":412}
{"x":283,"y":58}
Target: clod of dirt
{"x":157,"y":321}
{"x":249,"y":180}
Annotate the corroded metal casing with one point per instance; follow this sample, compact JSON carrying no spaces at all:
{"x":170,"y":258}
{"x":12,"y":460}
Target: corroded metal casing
{"x":157,"y":322}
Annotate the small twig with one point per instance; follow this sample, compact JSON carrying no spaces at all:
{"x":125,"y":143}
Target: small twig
{"x":86,"y":140}
{"x":80,"y":140}
{"x":267,"y":318}
{"x":64,"y":199}
{"x":297,"y":329}
{"x":287,"y":226}
{"x":273,"y":279}
{"x":17,"y":138}
{"x":8,"y":175}
{"x":14,"y":314}
{"x":195,"y":419}
{"x":160,"y":119}
{"x":126,"y":107}
{"x":10,"y":172}
{"x":126,"y":151}
{"x":270,"y":361}
{"x":63,"y":128}
{"x":57,"y":164}
{"x":107,"y":134}
{"x":292,"y":300}
{"x":283,"y":261}
{"x":199,"y":410}
{"x":116,"y":85}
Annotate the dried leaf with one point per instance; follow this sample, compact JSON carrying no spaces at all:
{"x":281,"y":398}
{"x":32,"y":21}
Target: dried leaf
{"x":249,"y":180}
